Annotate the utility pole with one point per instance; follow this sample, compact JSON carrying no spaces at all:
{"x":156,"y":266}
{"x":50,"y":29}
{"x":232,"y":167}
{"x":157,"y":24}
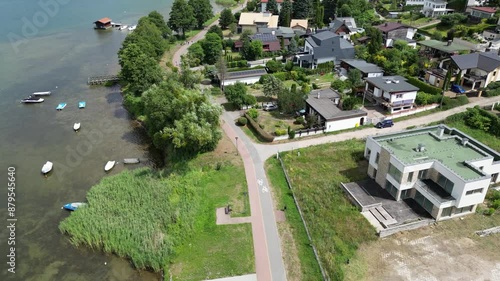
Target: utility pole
{"x":236,"y":138}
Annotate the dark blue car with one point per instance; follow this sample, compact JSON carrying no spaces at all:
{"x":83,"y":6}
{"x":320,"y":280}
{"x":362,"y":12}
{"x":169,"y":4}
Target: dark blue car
{"x":385,"y":124}
{"x":457,"y":89}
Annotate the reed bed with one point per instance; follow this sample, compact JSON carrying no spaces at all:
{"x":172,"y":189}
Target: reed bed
{"x":139,"y":215}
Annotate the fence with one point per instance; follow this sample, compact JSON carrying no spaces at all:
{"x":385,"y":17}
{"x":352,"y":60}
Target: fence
{"x":323,"y":273}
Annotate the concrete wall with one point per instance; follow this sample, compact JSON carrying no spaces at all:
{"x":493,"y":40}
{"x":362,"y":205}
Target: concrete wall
{"x":383,"y":167}
{"x":343,"y":124}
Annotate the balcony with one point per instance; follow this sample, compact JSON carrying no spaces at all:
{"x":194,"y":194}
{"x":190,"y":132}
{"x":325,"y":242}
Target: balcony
{"x":474,"y":78}
{"x":434,"y":192}
{"x":385,"y":101}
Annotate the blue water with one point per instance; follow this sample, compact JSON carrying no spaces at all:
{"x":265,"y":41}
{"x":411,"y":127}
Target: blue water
{"x":57,"y":49}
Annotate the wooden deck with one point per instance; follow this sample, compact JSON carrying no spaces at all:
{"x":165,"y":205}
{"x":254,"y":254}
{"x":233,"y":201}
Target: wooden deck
{"x":98,"y":80}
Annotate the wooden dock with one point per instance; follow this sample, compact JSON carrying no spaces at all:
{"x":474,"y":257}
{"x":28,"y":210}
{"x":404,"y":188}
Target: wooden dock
{"x":98,"y":80}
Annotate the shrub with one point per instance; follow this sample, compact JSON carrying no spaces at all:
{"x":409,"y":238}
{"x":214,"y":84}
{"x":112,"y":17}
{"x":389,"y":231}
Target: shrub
{"x":299,"y":120}
{"x":280,"y":75}
{"x":423,"y":86}
{"x":265,"y":136}
{"x":489,"y":212}
{"x":493,"y":89}
{"x":215,"y":91}
{"x":274,"y":66}
{"x":425,"y":98}
{"x":449,"y":103}
{"x":291,"y":134}
{"x":242,"y":121}
{"x":252,"y":112}
{"x":280,"y":132}
{"x":262,"y":126}
{"x":315,"y":86}
{"x":495,"y":204}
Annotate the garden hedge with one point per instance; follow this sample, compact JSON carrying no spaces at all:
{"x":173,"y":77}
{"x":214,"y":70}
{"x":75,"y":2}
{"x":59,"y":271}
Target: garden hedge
{"x":423,"y":86}
{"x":263,"y":134}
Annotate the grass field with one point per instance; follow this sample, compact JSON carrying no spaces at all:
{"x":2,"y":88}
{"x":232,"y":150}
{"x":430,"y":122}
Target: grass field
{"x":336,"y":226}
{"x":479,"y":135}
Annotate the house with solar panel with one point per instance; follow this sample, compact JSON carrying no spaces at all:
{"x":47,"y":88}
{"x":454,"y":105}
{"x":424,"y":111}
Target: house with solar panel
{"x":444,"y":171}
{"x":323,"y":47}
{"x":250,"y":76}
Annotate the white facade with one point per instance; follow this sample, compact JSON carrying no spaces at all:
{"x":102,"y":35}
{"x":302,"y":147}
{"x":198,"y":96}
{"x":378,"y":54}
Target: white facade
{"x":434,"y":8}
{"x":394,"y":101}
{"x":344,"y":124}
{"x":466,"y":192}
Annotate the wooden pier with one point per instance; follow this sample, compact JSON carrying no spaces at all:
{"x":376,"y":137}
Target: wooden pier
{"x":98,"y":80}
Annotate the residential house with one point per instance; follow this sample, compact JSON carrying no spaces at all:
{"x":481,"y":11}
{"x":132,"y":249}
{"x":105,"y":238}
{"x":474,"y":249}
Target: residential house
{"x":252,"y":21}
{"x":446,"y":172}
{"x":263,"y":5}
{"x":324,"y":104}
{"x":245,"y":76}
{"x":103,"y":23}
{"x":367,"y":69}
{"x":494,"y":34}
{"x":281,"y":32}
{"x":481,"y":12}
{"x":392,"y":31}
{"x":435,"y":8}
{"x":435,"y":49}
{"x":477,"y":70}
{"x":270,"y":42}
{"x":299,"y":25}
{"x":324,"y":47}
{"x":344,"y":27}
{"x":393,"y":93}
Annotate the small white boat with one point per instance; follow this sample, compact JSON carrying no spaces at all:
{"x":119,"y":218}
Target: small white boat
{"x":47,"y":167}
{"x":109,"y":166}
{"x":76,"y":127}
{"x":73,"y":206}
{"x":42,"y":93}
{"x":123,"y":27}
{"x":32,"y":99}
{"x":132,"y":27}
{"x":131,"y":161}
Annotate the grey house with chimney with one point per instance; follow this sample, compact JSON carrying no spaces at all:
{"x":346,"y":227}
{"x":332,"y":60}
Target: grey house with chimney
{"x":323,"y":47}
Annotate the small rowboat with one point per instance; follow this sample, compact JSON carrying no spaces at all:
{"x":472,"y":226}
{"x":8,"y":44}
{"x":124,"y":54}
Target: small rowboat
{"x":73,"y":206}
{"x":82,"y":104}
{"x":61,"y":106}
{"x":32,"y":99}
{"x":109,"y":166}
{"x":47,"y":167}
{"x":131,"y":160}
{"x":76,"y":127}
{"x":42,"y":93}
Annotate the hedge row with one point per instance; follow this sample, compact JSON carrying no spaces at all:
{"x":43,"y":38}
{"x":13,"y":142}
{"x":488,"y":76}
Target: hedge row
{"x":423,"y":86}
{"x":263,"y":134}
{"x":239,"y":63}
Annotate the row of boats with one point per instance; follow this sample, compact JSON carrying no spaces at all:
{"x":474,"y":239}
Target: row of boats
{"x":36,"y":97}
{"x":126,"y":27}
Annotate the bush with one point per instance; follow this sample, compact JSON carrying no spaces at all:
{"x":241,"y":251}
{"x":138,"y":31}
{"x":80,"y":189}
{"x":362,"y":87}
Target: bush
{"x":291,"y":134}
{"x":280,"y":132}
{"x":423,"y":86}
{"x":262,"y":126}
{"x":215,"y":91}
{"x":315,"y":86}
{"x":425,"y":98}
{"x":274,"y":66}
{"x":300,"y":120}
{"x":449,"y":103}
{"x":252,"y":112}
{"x":265,"y":136}
{"x":489,"y":212}
{"x":280,"y":75}
{"x":242,"y":121}
{"x":492,"y":90}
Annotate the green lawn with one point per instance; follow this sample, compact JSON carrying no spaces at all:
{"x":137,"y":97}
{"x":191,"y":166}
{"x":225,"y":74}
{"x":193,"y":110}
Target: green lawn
{"x":336,"y":226}
{"x":479,"y":135}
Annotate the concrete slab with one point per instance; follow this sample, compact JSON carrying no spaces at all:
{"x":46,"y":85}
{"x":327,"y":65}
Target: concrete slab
{"x":280,"y":215}
{"x":248,"y":277}
{"x":223,"y":218}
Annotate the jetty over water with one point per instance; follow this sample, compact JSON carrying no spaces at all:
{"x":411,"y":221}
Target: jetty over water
{"x":98,"y":80}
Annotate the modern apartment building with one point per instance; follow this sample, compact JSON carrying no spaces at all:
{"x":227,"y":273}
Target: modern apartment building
{"x":445,"y":171}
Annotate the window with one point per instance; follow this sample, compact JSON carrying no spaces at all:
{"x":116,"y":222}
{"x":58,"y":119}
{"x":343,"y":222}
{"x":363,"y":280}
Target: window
{"x":464,"y":209}
{"x":410,"y":177}
{"x":377,"y":157}
{"x":399,"y":96}
{"x":391,"y":189}
{"x":446,"y":212}
{"x":395,"y":173}
{"x":405,"y":194}
{"x":422,"y":174}
{"x":445,"y":183}
{"x":374,"y":173}
{"x":368,"y":153}
{"x":474,"y":191}
{"x":494,"y":73}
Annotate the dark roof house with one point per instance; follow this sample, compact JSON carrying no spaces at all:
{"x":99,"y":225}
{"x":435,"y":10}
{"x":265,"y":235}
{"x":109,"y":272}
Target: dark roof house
{"x":392,"y":31}
{"x":366,"y":69}
{"x":344,"y":26}
{"x":478,"y":69}
{"x":270,"y":43}
{"x":324,"y":47}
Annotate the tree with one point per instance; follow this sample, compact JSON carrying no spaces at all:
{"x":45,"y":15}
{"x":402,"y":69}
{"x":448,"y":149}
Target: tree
{"x":138,"y":71}
{"x":251,"y":50}
{"x":212,"y":47}
{"x":330,"y":8}
{"x":196,"y":54}
{"x":274,"y":65}
{"x":452,"y":19}
{"x":271,"y":86}
{"x":272,"y":6}
{"x":318,"y":14}
{"x":202,"y":11}
{"x":285,"y":13}
{"x":158,"y":20}
{"x":361,"y":10}
{"x":187,"y":77}
{"x":293,"y":46}
{"x":148,"y":31}
{"x":144,"y":45}
{"x":354,"y":77}
{"x":300,"y":9}
{"x":290,"y":101}
{"x":221,"y":67}
{"x":376,"y":40}
{"x":226,"y":18}
{"x":181,"y":120}
{"x":181,"y":17}
{"x":237,"y":94}
{"x":217,"y":30}
{"x":349,"y":103}
{"x":233,"y":27}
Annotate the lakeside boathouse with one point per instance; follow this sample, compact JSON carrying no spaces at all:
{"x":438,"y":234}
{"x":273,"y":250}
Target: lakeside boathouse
{"x":103,"y":23}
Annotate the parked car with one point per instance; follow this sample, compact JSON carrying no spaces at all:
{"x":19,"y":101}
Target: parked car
{"x":301,"y":112}
{"x":457,"y":89}
{"x":270,"y":107}
{"x":384,"y":124}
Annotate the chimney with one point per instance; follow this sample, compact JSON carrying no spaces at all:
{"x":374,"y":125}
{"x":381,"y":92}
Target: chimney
{"x":440,"y":131}
{"x":449,"y":43}
{"x":318,"y":95}
{"x":465,"y":141}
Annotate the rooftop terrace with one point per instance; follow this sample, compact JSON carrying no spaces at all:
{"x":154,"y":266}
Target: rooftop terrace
{"x":447,"y":150}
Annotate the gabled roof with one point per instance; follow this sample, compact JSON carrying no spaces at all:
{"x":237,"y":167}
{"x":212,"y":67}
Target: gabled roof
{"x":244,"y":73}
{"x":490,"y":10}
{"x":302,"y":23}
{"x":363,"y":66}
{"x":104,"y":20}
{"x":253,"y":18}
{"x":264,"y":37}
{"x":285,"y":32}
{"x":484,"y":61}
{"x":328,"y":44}
{"x":324,"y":105}
{"x":390,"y":26}
{"x":392,"y":84}
{"x":349,"y":22}
{"x":444,"y":46}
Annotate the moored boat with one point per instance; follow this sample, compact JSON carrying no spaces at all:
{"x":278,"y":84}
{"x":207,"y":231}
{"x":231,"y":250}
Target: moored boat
{"x":73,"y":206}
{"x":132,"y":27}
{"x":82,"y":104}
{"x":123,"y":27}
{"x":47,"y":167}
{"x":109,"y":165}
{"x":32,"y":99}
{"x":61,"y":106}
{"x":131,"y":160}
{"x":42,"y":93}
{"x":76,"y":127}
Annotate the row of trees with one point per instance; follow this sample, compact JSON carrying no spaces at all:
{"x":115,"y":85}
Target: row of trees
{"x":185,"y":16}
{"x":178,"y":116}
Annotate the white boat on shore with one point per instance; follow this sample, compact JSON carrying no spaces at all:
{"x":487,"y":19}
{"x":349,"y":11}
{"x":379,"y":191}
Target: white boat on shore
{"x":32,"y":99}
{"x":76,"y":127}
{"x":123,"y":27}
{"x":109,"y":166}
{"x":131,"y":161}
{"x":47,"y":167}
{"x":48,"y":93}
{"x":132,"y":27}
{"x":73,"y":206}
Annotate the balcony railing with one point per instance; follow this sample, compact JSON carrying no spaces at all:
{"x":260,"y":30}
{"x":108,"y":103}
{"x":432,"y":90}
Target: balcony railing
{"x":473,"y":77}
{"x":434,"y":191}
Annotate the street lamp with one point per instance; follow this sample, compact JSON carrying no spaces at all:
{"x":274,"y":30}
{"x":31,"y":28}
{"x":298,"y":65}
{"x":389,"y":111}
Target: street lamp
{"x":236,"y":138}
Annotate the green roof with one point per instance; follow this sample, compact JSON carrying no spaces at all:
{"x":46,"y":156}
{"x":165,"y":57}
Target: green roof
{"x":448,"y":150}
{"x":444,"y":47}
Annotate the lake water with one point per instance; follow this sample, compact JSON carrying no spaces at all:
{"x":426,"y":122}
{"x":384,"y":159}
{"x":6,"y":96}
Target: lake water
{"x":51,"y":45}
